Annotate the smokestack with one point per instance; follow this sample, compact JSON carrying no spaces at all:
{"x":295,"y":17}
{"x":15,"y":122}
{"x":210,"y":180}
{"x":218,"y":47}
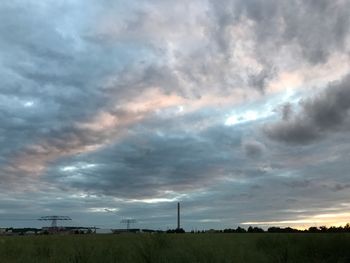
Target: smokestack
{"x":178,"y":215}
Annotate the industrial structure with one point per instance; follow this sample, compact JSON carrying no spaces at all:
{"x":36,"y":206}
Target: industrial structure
{"x":178,"y":216}
{"x":128,"y":222}
{"x":54,"y":220}
{"x":54,"y":228}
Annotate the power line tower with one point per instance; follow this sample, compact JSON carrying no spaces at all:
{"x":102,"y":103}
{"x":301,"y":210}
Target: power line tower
{"x":128,"y":222}
{"x":54,"y":220}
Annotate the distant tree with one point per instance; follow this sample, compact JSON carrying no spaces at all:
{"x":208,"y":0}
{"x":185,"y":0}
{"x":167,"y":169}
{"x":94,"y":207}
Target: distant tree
{"x":282,"y":230}
{"x":229,"y":230}
{"x":333,"y":229}
{"x":313,"y":229}
{"x":290,"y":230}
{"x":178,"y":230}
{"x":274,"y":229}
{"x":323,"y":229}
{"x":255,"y":230}
{"x":240,"y":230}
{"x":258,"y":230}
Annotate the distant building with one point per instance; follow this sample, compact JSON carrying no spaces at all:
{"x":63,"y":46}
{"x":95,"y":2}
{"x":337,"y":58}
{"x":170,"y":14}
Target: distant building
{"x":5,"y":231}
{"x":104,"y":231}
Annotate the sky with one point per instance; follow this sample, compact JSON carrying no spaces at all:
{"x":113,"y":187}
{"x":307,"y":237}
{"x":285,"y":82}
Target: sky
{"x":238,"y":109}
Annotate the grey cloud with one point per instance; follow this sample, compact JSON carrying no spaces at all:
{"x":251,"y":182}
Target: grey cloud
{"x":340,"y":187}
{"x":298,"y":183}
{"x":322,"y":32}
{"x":297,"y":131}
{"x":139,"y":167}
{"x":253,"y":148}
{"x":47,"y":62}
{"x":261,"y":79}
{"x":326,"y":112}
{"x":147,"y":167}
{"x":55,"y":56}
{"x":287,"y":111}
{"x":277,"y":32}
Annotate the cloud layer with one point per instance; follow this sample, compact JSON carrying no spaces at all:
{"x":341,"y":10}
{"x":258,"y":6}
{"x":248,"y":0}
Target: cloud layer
{"x":238,"y":109}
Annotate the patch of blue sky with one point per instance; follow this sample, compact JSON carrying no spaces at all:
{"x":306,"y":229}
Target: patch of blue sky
{"x":265,"y":108}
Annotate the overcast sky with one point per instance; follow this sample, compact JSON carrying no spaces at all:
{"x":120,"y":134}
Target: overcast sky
{"x":238,"y":109}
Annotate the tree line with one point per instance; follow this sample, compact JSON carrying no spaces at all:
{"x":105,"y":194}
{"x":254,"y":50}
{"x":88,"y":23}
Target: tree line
{"x":274,"y":229}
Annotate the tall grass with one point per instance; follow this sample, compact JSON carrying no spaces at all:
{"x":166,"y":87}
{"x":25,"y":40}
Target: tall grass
{"x":235,"y":248}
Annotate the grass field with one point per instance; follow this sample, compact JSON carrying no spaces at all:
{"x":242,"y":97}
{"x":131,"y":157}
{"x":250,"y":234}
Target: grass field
{"x":177,"y":248}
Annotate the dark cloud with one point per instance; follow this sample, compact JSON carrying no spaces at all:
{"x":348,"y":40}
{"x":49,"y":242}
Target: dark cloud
{"x":114,"y":104}
{"x":52,"y":80}
{"x":153,"y":165}
{"x":326,"y":112}
{"x":261,"y":79}
{"x":296,"y":131}
{"x":340,"y":187}
{"x":253,"y":148}
{"x":287,"y":111}
{"x":298,"y":183}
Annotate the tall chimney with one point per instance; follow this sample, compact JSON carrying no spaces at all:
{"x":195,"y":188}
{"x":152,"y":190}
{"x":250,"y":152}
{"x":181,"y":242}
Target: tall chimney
{"x":178,"y":215}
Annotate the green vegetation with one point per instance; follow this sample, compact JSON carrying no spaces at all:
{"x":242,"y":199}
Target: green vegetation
{"x":254,"y":247}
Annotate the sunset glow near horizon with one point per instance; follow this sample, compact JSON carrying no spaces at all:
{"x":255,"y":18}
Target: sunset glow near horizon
{"x":120,"y":109}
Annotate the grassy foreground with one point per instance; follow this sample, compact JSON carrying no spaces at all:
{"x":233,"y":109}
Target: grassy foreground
{"x":177,"y":248}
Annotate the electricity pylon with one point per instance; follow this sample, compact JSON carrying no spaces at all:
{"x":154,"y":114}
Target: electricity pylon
{"x":54,"y":219}
{"x":128,"y":222}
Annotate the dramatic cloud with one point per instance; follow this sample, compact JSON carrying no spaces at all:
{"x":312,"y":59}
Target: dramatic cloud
{"x":131,"y":106}
{"x":325,"y":112}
